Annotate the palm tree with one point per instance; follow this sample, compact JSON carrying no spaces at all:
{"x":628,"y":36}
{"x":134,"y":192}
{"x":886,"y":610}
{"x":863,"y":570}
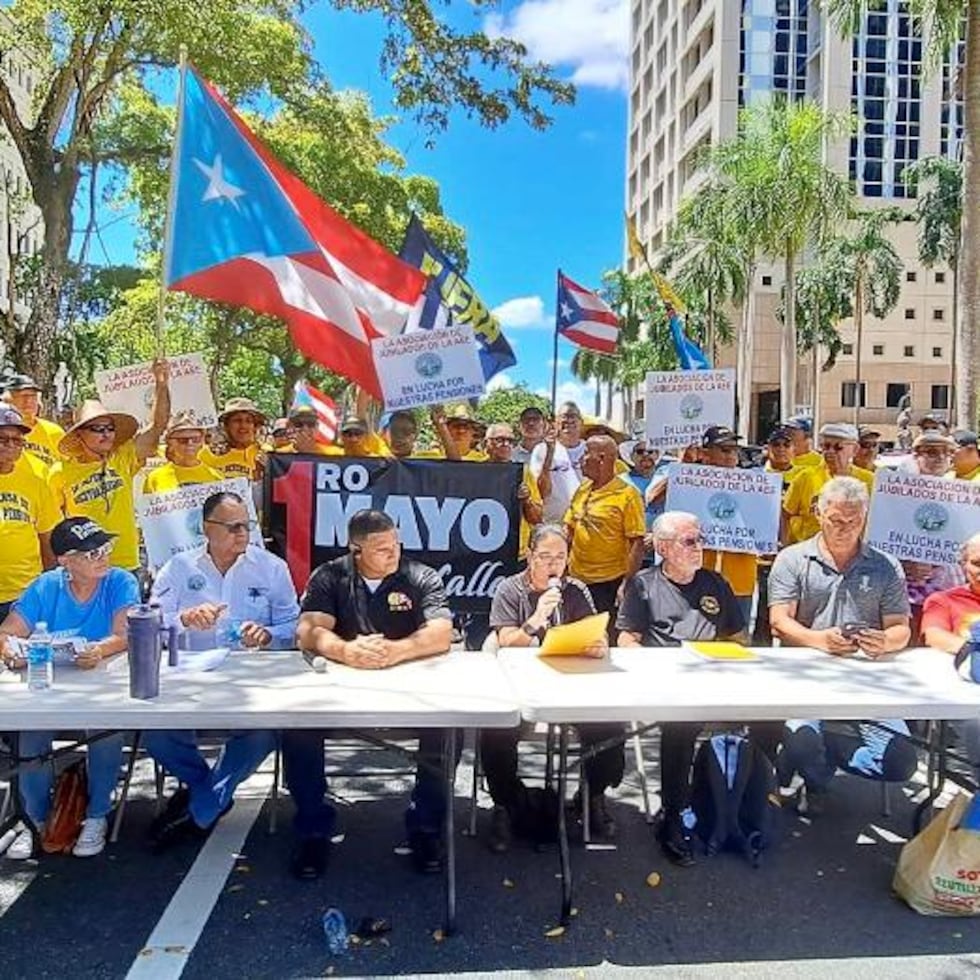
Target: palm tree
{"x":944,"y":24}
{"x":939,"y":212}
{"x":587,"y":365}
{"x":868,"y":260}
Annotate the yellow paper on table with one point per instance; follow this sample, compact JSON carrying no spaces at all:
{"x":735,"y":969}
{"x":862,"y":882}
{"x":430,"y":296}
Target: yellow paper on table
{"x":721,"y":650}
{"x":572,"y":639}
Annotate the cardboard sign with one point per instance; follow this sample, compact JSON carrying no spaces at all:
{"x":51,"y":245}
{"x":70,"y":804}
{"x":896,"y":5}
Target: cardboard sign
{"x":130,"y":389}
{"x":171,"y":522}
{"x":680,"y":405}
{"x":922,"y":518}
{"x":738,"y":509}
{"x":428,"y":367}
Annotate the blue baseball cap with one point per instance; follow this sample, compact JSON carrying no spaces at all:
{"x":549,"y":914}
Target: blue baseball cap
{"x":800,"y":422}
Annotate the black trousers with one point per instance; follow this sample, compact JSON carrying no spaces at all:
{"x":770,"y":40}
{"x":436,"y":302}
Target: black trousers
{"x":498,"y":753}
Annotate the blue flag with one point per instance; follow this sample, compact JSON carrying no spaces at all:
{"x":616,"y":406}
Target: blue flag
{"x":689,"y":355}
{"x":450,"y":298}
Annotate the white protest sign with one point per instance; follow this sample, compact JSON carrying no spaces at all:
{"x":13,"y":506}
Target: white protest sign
{"x":922,"y":518}
{"x":428,"y":367}
{"x":171,"y":522}
{"x":130,"y":389}
{"x":738,"y":509}
{"x":680,"y":405}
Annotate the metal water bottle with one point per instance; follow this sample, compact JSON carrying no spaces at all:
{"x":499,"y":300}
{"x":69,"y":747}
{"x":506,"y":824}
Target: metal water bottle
{"x":144,"y":635}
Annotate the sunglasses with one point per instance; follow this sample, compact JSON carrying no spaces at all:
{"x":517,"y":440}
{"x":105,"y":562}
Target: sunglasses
{"x":234,"y":527}
{"x":933,"y":453}
{"x":12,"y":441}
{"x":644,"y":452}
{"x":304,"y":423}
{"x":833,"y":447}
{"x":96,"y":554}
{"x":100,"y":430}
{"x":186,"y":440}
{"x":506,"y":439}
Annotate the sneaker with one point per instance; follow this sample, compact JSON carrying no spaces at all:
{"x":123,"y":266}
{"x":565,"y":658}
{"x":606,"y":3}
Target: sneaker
{"x":21,"y":848}
{"x":428,"y":854}
{"x":91,"y":838}
{"x":674,"y":839}
{"x":175,"y":806}
{"x":500,"y":830}
{"x":811,"y":802}
{"x":309,"y":860}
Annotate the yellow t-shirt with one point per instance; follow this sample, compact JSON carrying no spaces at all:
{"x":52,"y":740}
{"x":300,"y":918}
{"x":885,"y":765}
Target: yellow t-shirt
{"x":27,"y":509}
{"x":319,"y":450}
{"x":807,"y":459}
{"x":737,"y":568}
{"x":604,"y":521}
{"x":972,"y":477}
{"x":43,"y":441}
{"x":170,"y":477}
{"x":234,"y":463}
{"x":473,"y":456}
{"x":535,"y":497}
{"x":103,"y":492}
{"x":801,"y":498}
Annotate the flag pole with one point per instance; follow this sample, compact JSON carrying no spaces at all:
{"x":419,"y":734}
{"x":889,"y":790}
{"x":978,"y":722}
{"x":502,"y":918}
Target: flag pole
{"x":554,"y":355}
{"x":168,"y":221}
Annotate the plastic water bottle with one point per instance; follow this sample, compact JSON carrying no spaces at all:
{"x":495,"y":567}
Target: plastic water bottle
{"x":229,"y":633}
{"x":40,"y":659}
{"x":335,"y":929}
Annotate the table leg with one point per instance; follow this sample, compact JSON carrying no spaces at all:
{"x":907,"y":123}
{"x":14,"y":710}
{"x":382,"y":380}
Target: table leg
{"x":449,"y":761}
{"x":563,"y":855}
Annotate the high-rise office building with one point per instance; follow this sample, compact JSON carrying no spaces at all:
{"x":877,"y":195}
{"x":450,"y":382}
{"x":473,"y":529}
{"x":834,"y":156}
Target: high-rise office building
{"x":695,"y":63}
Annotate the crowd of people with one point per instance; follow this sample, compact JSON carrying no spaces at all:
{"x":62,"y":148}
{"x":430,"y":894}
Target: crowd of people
{"x":595,"y":537}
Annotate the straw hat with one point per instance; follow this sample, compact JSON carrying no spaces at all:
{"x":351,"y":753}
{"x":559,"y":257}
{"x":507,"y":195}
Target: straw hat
{"x":592,"y":426}
{"x":234,"y":405}
{"x":90,"y":410}
{"x":184,"y":421}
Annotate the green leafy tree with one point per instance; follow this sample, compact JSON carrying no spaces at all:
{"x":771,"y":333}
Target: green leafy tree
{"x":506,"y":404}
{"x":944,"y":23}
{"x":85,"y":54}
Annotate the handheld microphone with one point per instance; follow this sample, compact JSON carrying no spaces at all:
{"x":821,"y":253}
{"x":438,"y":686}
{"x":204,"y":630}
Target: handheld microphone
{"x":555,"y":583}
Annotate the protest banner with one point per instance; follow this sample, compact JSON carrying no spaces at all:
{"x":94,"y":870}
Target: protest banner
{"x":462,"y":519}
{"x":680,"y":405}
{"x":130,"y":389}
{"x":738,"y":509}
{"x":922,"y":518}
{"x":428,"y":367}
{"x":171,"y":522}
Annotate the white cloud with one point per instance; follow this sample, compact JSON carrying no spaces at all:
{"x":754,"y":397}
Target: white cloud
{"x":573,"y":391}
{"x":498,"y":381}
{"x":591,"y":37}
{"x":520,"y":312}
{"x":562,"y":363}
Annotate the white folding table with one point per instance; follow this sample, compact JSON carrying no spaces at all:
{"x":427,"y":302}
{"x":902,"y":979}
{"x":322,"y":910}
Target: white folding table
{"x":665,"y":684}
{"x":278,"y":689}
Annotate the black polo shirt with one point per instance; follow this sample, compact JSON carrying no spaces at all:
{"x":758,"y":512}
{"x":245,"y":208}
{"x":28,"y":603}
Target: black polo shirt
{"x":663,"y":613}
{"x":401,"y":604}
{"x":514,"y":602}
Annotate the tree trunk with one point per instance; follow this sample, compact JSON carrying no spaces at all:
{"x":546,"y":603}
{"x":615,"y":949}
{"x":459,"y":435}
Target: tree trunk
{"x":709,"y":331}
{"x":858,"y":341}
{"x":787,"y":356}
{"x":968,"y":274}
{"x":598,"y":395}
{"x":744,"y":354}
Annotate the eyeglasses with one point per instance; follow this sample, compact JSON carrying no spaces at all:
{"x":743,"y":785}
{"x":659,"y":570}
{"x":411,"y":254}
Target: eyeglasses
{"x":186,"y":440}
{"x":780,"y":442}
{"x":502,"y":439}
{"x":690,"y":541}
{"x":12,"y":441}
{"x":868,"y":445}
{"x":234,"y":527}
{"x":833,"y":447}
{"x":304,"y":423}
{"x":96,"y":554}
{"x":934,"y":453}
{"x":101,"y":430}
{"x":644,"y":452}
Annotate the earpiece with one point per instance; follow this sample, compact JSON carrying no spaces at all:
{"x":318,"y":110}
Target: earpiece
{"x":355,"y":549}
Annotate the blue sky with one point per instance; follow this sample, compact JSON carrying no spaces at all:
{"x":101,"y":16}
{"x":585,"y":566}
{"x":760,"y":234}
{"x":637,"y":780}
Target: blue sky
{"x":530,"y":201}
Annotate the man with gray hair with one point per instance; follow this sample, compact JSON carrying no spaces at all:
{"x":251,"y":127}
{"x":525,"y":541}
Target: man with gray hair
{"x":833,"y":592}
{"x":662,"y":606}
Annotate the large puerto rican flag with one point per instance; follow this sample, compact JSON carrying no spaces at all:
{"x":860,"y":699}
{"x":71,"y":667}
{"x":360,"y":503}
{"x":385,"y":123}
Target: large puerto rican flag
{"x":584,"y":319}
{"x":306,"y":396}
{"x":246,"y":231}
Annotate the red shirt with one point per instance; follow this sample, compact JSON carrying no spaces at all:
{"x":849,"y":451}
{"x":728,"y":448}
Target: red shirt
{"x":954,"y":610}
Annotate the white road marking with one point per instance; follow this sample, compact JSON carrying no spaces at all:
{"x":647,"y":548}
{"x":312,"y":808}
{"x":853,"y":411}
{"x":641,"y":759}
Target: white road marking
{"x":13,"y":884}
{"x":168,"y":948}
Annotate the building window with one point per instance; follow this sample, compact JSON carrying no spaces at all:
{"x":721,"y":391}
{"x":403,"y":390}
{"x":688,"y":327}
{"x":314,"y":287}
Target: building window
{"x":937,"y":352}
{"x":894,"y":394}
{"x":909,"y":313}
{"x":911,"y":276}
{"x":767,"y":280}
{"x":847,"y":349}
{"x":940,"y":396}
{"x":773,"y":49}
{"x":848,"y":390}
{"x":938,"y":314}
{"x":940,"y":277}
{"x":878,"y":349}
{"x":908,"y":351}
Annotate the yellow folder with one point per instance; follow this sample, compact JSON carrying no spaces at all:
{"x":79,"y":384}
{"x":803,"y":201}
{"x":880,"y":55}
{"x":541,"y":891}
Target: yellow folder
{"x":571,"y":639}
{"x":721,"y":650}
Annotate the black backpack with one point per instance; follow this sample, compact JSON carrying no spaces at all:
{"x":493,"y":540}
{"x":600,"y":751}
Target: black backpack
{"x":733,"y":795}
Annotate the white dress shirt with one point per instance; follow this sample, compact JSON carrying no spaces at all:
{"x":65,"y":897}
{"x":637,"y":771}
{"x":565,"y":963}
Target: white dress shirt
{"x":257,"y":589}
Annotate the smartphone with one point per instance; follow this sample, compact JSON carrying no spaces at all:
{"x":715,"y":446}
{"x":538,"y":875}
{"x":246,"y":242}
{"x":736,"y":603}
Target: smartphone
{"x":851,"y":630}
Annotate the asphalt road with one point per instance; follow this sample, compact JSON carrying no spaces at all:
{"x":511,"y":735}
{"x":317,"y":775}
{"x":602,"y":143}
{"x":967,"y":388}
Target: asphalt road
{"x":820,"y":903}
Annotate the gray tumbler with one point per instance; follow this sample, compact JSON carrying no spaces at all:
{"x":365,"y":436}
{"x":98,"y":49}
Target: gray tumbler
{"x":144,"y":635}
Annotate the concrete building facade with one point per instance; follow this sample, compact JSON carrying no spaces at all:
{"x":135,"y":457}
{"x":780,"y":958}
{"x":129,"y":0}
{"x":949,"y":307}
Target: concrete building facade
{"x":695,"y":63}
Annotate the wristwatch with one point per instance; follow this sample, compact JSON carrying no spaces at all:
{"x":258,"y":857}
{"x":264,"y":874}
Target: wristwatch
{"x":529,"y":629}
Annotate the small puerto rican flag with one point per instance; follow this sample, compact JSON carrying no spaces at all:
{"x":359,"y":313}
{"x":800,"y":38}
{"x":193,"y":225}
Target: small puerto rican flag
{"x":584,"y":319}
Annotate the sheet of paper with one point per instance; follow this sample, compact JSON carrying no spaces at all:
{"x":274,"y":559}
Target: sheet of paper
{"x":202,"y":660}
{"x":720,"y":650}
{"x":571,"y":639}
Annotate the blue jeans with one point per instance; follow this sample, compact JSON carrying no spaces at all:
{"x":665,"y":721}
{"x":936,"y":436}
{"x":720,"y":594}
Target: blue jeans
{"x":303,"y":762}
{"x":211,"y":790}
{"x":105,"y":758}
